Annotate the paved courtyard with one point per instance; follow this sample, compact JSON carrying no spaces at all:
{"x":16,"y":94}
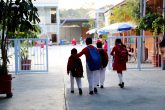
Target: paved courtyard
{"x":144,"y":90}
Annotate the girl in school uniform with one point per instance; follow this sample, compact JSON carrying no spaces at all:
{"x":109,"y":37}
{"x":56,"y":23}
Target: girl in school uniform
{"x":119,"y":64}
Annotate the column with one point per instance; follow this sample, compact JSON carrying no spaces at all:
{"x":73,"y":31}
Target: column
{"x":164,"y":15}
{"x":58,"y":24}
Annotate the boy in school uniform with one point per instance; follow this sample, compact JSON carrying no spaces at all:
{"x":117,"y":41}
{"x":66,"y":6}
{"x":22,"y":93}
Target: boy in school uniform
{"x":75,"y":68}
{"x":104,"y":62}
{"x":91,"y":74}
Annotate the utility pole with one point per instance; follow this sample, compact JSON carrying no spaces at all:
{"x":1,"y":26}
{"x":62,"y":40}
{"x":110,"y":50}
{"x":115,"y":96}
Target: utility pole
{"x":142,"y":14}
{"x":164,"y":16}
{"x":58,"y":24}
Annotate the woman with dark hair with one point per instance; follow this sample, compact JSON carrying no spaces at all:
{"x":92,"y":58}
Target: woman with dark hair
{"x":120,"y":55}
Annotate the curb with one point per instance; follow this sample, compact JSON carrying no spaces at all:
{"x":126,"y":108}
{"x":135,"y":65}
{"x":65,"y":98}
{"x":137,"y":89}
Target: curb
{"x":66,"y":107}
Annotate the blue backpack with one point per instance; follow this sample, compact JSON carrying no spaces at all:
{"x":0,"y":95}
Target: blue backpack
{"x":94,"y":61}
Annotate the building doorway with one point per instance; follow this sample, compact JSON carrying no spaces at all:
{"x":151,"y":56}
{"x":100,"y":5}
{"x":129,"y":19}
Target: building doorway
{"x":54,"y":38}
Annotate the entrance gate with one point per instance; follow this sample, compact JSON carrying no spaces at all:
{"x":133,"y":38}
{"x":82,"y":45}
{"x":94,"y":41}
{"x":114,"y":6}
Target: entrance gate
{"x":28,"y":55}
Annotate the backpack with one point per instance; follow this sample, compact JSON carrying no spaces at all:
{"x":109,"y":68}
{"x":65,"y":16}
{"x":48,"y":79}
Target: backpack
{"x":104,"y":59}
{"x":123,"y":54}
{"x":94,"y":61}
{"x":77,"y":70}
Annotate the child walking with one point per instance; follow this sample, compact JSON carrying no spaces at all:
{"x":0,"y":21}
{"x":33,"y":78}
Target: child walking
{"x":93,"y":64}
{"x":104,"y":62}
{"x":120,"y":55}
{"x":75,"y":68}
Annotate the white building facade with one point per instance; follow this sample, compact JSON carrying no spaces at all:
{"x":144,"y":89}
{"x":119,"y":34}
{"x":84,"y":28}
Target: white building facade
{"x":100,"y":18}
{"x":48,"y":11}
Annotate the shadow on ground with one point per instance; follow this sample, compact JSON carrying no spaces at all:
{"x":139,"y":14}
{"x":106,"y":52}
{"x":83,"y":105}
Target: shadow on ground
{"x":115,"y":98}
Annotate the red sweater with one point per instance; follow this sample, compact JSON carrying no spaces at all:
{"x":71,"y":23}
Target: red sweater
{"x":85,"y":52}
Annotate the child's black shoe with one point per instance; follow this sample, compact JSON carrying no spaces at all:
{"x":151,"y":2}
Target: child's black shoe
{"x":102,"y":86}
{"x":95,"y":90}
{"x":91,"y":92}
{"x":122,"y":84}
{"x":72,"y":91}
{"x":80,"y":91}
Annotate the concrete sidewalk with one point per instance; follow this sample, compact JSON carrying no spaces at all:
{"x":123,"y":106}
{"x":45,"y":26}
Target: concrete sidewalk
{"x":36,"y":91}
{"x":144,"y":90}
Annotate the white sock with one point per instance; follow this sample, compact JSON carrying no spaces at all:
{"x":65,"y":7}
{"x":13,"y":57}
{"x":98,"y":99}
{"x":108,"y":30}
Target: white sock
{"x":120,"y":78}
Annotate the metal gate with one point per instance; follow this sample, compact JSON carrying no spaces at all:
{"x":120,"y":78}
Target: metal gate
{"x":28,"y":55}
{"x":140,"y":53}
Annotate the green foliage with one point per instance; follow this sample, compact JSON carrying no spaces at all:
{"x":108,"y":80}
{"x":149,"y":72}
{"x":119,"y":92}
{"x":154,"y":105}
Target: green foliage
{"x":152,"y":22}
{"x":118,"y":15}
{"x":133,"y":10}
{"x":15,"y":16}
{"x":86,"y":25}
{"x":75,"y":13}
{"x":92,"y":24}
{"x":24,"y":49}
{"x":127,"y":12}
{"x":158,"y":25}
{"x":25,"y":34}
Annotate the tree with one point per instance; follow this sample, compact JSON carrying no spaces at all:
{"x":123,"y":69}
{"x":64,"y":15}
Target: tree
{"x":75,"y":13}
{"x":130,"y":11}
{"x":15,"y":16}
{"x":152,"y":22}
{"x":133,"y":10}
{"x":118,"y":15}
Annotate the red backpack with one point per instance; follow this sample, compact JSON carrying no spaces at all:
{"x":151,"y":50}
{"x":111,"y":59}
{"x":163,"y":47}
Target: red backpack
{"x":123,"y":53}
{"x":77,"y":70}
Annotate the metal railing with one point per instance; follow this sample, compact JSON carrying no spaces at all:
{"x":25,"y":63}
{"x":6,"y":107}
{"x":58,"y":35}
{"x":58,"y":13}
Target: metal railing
{"x":28,"y":55}
{"x":141,"y":59}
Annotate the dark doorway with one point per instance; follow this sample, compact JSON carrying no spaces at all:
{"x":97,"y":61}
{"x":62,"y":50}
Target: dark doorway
{"x":54,"y":38}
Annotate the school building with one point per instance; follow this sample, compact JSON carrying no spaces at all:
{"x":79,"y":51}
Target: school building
{"x":48,"y":11}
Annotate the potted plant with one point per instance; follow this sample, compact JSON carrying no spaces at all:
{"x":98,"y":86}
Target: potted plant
{"x":25,"y":61}
{"x":24,"y":47}
{"x":15,"y":15}
{"x":158,"y":26}
{"x":154,"y":23}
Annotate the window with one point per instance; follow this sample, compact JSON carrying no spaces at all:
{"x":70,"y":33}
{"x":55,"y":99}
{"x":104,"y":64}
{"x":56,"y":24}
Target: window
{"x":53,"y":15}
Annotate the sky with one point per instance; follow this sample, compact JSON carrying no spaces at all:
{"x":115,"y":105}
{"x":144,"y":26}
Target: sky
{"x":75,"y":4}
